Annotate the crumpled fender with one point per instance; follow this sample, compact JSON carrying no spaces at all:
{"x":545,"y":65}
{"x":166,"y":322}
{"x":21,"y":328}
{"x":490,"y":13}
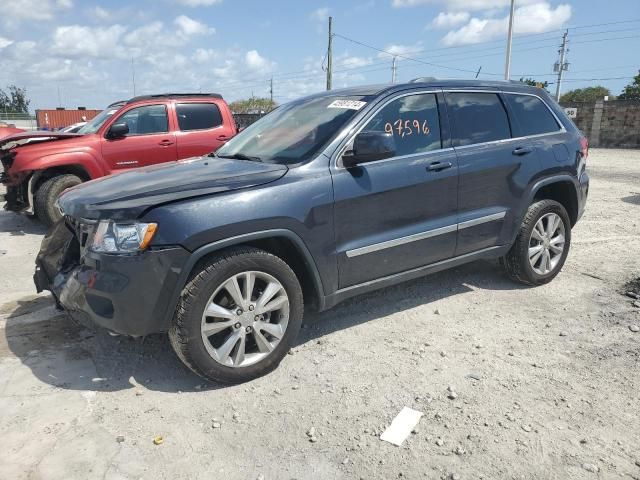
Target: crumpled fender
{"x":93,"y":166}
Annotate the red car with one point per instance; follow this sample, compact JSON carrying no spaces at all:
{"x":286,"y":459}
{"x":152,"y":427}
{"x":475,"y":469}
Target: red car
{"x":39,"y":166}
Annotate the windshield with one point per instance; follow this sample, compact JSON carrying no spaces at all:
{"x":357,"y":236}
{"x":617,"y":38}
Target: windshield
{"x":96,"y":122}
{"x":294,"y":132}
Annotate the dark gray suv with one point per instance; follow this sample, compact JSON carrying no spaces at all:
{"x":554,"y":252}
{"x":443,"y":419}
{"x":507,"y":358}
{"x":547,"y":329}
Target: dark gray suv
{"x":326,"y":197}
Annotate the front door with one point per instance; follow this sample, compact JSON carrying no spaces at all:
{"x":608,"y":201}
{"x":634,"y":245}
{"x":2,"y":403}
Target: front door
{"x":397,"y":214}
{"x":149,"y":139}
{"x":494,"y":169}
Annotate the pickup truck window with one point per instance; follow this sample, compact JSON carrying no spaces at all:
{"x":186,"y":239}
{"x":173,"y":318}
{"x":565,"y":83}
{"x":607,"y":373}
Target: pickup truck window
{"x":146,"y":120}
{"x":294,"y":132}
{"x":198,"y":116}
{"x":414,"y":122}
{"x":93,"y":125}
{"x":478,"y":118}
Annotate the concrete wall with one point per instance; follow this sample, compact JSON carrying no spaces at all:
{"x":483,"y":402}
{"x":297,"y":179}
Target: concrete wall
{"x":613,"y":124}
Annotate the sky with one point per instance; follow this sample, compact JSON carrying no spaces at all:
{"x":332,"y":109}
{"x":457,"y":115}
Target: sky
{"x":87,"y":53}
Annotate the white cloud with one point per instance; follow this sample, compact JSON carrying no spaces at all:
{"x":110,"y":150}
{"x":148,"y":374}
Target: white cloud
{"x":254,"y":61}
{"x":76,"y":40}
{"x":65,"y":3}
{"x":456,"y":5}
{"x":450,"y":19}
{"x":5,"y":42}
{"x":188,"y":26}
{"x":535,"y":18}
{"x":348,"y":61}
{"x":199,"y":3}
{"x":397,"y":49}
{"x":204,"y":55}
{"x":101,"y":13}
{"x":320,"y":14}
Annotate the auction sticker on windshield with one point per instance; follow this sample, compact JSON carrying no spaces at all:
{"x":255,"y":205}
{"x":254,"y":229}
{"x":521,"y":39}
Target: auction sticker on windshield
{"x":349,"y":104}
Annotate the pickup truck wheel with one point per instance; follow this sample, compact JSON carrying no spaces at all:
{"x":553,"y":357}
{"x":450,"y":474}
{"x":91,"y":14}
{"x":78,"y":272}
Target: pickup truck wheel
{"x":46,"y":196}
{"x":238,"y":316}
{"x":542,"y":244}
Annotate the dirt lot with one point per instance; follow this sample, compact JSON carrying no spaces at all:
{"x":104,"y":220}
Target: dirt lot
{"x":547,"y":379}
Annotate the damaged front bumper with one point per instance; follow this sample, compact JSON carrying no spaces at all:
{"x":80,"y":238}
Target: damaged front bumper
{"x":126,"y":294}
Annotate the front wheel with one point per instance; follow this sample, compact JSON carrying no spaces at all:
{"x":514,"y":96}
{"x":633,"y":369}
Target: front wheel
{"x":238,"y":317}
{"x":46,"y":196}
{"x":542,"y":244}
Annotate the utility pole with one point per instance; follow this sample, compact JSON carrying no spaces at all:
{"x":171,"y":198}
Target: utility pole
{"x":393,"y":70}
{"x":329,"y":55}
{"x":562,"y":65}
{"x":59,"y":98}
{"x":507,"y":63}
{"x":133,"y":76}
{"x":271,"y":90}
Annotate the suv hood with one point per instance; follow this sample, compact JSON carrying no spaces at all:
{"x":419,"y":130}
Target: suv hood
{"x":125,"y":196}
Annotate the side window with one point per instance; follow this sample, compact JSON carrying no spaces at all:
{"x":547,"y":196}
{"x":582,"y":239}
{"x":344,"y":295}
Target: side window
{"x":146,"y":120}
{"x":478,"y":118}
{"x":198,"y":116}
{"x":533,"y":115}
{"x":414,"y":122}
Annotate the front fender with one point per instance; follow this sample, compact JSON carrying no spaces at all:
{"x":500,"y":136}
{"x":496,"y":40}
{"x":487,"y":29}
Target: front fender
{"x":94,"y":167}
{"x":207,"y":249}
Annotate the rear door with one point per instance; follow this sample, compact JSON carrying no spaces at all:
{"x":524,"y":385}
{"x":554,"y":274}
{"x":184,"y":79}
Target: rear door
{"x":149,"y":139}
{"x":494,"y":167}
{"x":202,"y":128}
{"x":396,"y":214}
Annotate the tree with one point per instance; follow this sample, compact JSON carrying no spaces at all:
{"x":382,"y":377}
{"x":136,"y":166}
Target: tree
{"x":252,"y":105}
{"x":588,"y":94}
{"x":534,"y":83}
{"x":632,"y":91}
{"x":15,"y":101}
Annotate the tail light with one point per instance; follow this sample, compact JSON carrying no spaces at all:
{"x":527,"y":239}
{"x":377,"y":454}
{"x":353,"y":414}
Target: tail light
{"x":584,"y":147}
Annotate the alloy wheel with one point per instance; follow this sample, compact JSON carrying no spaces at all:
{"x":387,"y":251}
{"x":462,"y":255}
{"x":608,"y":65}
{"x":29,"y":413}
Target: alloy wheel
{"x":546,"y":243}
{"x":245,"y":319}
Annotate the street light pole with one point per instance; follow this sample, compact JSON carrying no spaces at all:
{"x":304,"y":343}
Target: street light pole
{"x":507,"y":64}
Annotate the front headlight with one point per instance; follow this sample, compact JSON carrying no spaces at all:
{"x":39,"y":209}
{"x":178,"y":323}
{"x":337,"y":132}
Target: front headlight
{"x":111,"y":237}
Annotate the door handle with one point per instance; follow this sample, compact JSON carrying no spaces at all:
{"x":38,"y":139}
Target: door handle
{"x":165,"y":143}
{"x":522,"y":151}
{"x":439,"y":166}
{"x":223,"y":138}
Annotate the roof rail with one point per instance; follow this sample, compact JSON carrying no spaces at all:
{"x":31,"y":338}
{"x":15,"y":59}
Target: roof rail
{"x":119,"y":103}
{"x":173,"y":95}
{"x":423,"y":79}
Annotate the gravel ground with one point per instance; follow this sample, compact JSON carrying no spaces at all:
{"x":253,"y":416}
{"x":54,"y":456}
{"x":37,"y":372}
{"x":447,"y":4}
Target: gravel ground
{"x":546,"y":379}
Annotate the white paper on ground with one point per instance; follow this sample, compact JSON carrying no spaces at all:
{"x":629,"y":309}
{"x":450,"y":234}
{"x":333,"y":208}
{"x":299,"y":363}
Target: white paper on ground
{"x":401,"y":426}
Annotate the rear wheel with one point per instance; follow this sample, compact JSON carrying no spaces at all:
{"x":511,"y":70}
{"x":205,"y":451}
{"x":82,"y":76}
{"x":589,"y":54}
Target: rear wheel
{"x":46,"y":196}
{"x":238,"y":317}
{"x":542,"y":244}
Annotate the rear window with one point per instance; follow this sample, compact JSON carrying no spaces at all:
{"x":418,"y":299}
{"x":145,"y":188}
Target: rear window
{"x":478,"y":118}
{"x":198,"y":116}
{"x":533,"y":115}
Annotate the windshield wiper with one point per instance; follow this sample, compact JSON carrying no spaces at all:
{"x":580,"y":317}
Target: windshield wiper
{"x":241,"y":156}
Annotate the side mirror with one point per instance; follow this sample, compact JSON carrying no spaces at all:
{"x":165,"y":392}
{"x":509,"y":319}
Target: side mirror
{"x":368,"y":147}
{"x":118,"y":130}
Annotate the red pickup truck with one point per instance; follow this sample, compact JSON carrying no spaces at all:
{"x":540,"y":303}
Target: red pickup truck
{"x":39,"y":166}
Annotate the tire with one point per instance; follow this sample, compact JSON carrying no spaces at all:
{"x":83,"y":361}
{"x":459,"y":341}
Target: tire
{"x":206,"y":289}
{"x":46,"y":196}
{"x":517,"y":261}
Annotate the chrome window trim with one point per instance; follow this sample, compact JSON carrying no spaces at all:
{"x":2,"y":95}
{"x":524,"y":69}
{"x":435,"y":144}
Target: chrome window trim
{"x":401,"y":241}
{"x":481,"y":220}
{"x":375,"y":247}
{"x":562,"y":129}
{"x":340,"y":151}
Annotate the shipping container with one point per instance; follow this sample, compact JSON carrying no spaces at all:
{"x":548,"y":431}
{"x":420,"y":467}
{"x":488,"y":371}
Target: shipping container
{"x":60,"y":118}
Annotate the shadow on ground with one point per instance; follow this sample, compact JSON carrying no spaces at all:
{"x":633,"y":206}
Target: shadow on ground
{"x":19,"y":225}
{"x":66,"y":355}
